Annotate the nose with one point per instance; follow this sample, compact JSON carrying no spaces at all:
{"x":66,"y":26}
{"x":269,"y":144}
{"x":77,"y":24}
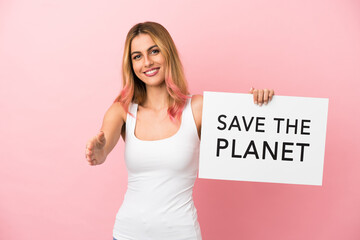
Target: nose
{"x":148,"y":61}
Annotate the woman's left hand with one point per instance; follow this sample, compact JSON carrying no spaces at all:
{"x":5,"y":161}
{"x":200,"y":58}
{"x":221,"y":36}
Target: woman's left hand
{"x":262,"y":96}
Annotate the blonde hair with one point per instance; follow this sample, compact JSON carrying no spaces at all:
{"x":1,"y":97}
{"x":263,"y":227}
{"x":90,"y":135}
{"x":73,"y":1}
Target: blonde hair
{"x":134,"y":89}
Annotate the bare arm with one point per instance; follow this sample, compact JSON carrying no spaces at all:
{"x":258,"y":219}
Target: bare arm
{"x":98,"y":147}
{"x":196,"y":106}
{"x":113,"y":121}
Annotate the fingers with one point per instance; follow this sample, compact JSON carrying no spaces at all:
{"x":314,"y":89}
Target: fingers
{"x":89,"y":149}
{"x":255,"y":94}
{"x":271,"y":94}
{"x":89,"y":154}
{"x":251,"y":90}
{"x":262,"y":96}
{"x":90,"y":159}
{"x":266,"y":96}
{"x":94,"y":149}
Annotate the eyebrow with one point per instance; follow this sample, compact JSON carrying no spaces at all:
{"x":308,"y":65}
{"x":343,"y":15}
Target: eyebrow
{"x":147,"y":50}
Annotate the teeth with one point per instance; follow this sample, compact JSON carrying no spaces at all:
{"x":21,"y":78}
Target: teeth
{"x":152,"y":71}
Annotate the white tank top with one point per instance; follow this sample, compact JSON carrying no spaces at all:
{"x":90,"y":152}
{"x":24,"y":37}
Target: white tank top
{"x":158,"y":203}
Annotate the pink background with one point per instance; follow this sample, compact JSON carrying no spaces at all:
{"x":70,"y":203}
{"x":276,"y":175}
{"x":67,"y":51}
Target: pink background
{"x":60,"y":71}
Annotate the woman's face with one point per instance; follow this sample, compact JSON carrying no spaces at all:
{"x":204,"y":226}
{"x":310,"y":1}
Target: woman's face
{"x":147,"y":60}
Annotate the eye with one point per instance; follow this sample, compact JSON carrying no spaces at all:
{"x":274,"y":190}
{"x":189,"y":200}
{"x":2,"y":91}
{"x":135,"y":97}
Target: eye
{"x":155,"y":51}
{"x":136,"y":57}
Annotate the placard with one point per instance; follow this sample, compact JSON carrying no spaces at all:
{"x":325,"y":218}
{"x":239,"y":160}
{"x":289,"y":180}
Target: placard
{"x":281,"y":142}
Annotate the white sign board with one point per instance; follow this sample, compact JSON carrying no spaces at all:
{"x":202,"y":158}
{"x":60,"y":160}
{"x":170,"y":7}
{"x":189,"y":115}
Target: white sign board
{"x":281,"y":142}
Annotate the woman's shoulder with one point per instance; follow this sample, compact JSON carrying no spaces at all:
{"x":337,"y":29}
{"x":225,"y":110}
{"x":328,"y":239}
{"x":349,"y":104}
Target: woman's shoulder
{"x":197,"y":101}
{"x":196,"y":106}
{"x":116,"y":110}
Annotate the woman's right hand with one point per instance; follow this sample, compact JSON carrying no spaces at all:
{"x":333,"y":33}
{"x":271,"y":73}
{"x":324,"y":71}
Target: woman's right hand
{"x":95,"y":151}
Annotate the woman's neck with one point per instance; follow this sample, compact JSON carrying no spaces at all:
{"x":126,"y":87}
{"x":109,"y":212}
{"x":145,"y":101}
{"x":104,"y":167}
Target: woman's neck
{"x":156,"y":97}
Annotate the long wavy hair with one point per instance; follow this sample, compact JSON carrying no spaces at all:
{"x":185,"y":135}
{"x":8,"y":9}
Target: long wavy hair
{"x":134,"y":90}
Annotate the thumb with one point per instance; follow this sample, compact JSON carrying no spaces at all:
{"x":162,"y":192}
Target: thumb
{"x":101,"y":136}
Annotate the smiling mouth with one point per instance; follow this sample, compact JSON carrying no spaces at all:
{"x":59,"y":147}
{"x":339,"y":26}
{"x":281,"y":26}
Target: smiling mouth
{"x":152,"y":72}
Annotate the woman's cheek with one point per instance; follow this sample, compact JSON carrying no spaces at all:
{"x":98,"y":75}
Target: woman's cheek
{"x":136,"y":70}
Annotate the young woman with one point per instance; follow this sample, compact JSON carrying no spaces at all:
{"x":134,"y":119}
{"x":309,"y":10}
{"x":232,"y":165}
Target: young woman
{"x":161,"y":125}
